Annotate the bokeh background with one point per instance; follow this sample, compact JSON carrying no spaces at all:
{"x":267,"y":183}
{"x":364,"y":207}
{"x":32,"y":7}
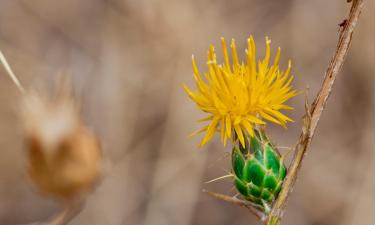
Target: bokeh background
{"x":128,"y":59}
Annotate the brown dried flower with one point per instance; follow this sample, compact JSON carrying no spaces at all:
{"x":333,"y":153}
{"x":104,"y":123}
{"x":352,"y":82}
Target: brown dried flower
{"x":64,"y":156}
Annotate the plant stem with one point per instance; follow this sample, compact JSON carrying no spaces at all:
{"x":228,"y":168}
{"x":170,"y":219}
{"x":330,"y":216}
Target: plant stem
{"x":312,"y":116}
{"x":12,"y":76}
{"x":70,"y":210}
{"x":259,"y":214}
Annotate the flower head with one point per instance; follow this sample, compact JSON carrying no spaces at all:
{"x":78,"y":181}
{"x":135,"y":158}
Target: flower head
{"x":241,"y":95}
{"x":64,"y":156}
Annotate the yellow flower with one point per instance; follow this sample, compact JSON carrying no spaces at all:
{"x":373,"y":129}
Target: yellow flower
{"x":240,"y":95}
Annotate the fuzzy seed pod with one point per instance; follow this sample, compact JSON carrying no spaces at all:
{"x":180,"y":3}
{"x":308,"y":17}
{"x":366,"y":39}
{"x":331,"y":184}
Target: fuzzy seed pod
{"x":64,"y":157}
{"x":258,"y":171}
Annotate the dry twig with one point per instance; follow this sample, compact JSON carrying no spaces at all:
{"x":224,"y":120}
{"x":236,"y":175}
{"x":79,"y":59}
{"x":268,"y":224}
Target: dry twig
{"x":72,"y":208}
{"x":65,"y":216}
{"x":312,"y":116}
{"x":260,"y":215}
{"x":9,"y":70}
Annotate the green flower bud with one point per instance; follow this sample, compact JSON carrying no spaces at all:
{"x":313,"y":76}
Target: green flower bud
{"x":258,"y":171}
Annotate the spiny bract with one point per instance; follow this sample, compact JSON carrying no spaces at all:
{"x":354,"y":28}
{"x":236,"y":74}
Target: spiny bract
{"x":240,"y":95}
{"x":259,"y":171}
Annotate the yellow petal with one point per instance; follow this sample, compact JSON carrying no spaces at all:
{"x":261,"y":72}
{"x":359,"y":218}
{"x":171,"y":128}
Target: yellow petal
{"x":248,"y":127}
{"x":254,"y":119}
{"x":234,"y":55}
{"x":228,"y":125}
{"x":225,"y":52}
{"x":210,"y":131}
{"x":239,"y":133}
{"x":198,"y":131}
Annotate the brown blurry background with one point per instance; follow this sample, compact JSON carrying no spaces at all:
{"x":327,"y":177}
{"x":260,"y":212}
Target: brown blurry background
{"x":128,"y":59}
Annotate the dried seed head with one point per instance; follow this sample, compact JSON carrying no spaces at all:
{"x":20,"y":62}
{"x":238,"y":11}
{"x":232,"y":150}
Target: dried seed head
{"x":64,"y":156}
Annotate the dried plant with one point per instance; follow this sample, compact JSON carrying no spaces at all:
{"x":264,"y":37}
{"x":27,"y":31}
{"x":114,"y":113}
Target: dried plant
{"x":64,"y":156}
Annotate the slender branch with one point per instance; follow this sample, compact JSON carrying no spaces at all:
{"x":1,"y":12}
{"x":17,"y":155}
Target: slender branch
{"x":260,"y":215}
{"x":63,"y":217}
{"x":312,"y":116}
{"x":9,"y":70}
{"x":67,"y":214}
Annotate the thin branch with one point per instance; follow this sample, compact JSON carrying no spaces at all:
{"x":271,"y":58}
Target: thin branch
{"x":260,"y":215}
{"x":9,"y":70}
{"x":220,"y":178}
{"x":59,"y":218}
{"x":312,"y":116}
{"x":69,"y":212}
{"x":64,"y":216}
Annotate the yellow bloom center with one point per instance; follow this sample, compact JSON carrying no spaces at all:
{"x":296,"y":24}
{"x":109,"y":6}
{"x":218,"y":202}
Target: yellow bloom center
{"x":240,"y":95}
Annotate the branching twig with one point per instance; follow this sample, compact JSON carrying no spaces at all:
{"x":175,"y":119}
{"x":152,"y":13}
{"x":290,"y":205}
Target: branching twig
{"x":260,"y":215}
{"x":65,"y":216}
{"x":72,"y":208}
{"x":9,"y":70}
{"x":313,"y":115}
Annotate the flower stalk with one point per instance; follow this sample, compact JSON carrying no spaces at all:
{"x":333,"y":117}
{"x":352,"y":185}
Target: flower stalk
{"x":313,"y":114}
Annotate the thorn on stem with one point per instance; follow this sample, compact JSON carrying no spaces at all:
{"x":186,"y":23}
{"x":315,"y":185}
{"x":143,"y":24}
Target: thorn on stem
{"x":343,"y":23}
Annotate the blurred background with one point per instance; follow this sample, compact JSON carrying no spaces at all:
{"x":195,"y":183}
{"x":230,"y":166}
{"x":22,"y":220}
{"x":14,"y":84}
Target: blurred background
{"x":128,"y":59}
